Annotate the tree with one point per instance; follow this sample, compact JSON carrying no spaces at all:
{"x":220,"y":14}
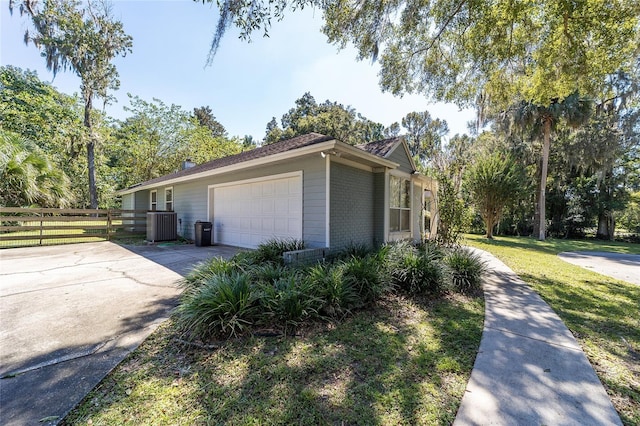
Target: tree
{"x":479,"y":52}
{"x":37,"y":111}
{"x":448,"y":167}
{"x":83,"y":38}
{"x":573,"y":110}
{"x":205,"y":118}
{"x":157,"y":138}
{"x":494,"y":183}
{"x":329,"y":118}
{"x":28,"y":176}
{"x":461,"y":50}
{"x":424,"y":134}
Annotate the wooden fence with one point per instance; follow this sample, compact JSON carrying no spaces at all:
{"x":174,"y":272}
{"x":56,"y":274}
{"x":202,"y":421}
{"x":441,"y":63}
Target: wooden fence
{"x":21,"y":227}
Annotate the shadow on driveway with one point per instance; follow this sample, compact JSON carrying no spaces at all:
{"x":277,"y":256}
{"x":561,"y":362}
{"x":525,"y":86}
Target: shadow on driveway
{"x":69,"y":314}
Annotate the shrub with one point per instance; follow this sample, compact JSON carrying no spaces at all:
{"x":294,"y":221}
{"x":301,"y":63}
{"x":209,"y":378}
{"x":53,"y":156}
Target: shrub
{"x":337,"y":296}
{"x":268,"y":273}
{"x":354,"y":250}
{"x":224,"y":305}
{"x":204,"y":271}
{"x":366,"y":275}
{"x":416,"y":270}
{"x":271,"y":250}
{"x":287,"y":302}
{"x":467,"y":270}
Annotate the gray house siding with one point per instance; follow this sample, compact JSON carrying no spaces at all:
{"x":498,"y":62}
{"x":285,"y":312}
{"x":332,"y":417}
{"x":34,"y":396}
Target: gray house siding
{"x":417,"y":212}
{"x":378,"y":208}
{"x":142,"y":200}
{"x":128,"y":201}
{"x":191,"y":198}
{"x":398,"y":155}
{"x":352,"y":201}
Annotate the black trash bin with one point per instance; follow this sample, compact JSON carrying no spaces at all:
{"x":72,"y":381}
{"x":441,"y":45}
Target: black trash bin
{"x":203,"y":233}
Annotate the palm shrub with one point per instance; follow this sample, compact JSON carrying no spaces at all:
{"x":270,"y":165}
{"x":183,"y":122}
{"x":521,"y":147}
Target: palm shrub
{"x":466,"y":270}
{"x":224,"y":305}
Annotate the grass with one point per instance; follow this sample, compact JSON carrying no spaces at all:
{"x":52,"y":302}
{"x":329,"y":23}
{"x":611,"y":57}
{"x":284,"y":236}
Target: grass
{"x":602,"y":313}
{"x":405,"y":361}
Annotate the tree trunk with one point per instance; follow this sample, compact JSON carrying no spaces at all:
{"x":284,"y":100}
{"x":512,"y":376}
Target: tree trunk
{"x":93,"y":190}
{"x":543,"y":178}
{"x":536,"y":202}
{"x":606,"y":226}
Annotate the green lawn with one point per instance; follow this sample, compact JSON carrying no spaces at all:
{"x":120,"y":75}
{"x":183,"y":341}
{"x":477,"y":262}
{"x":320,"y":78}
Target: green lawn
{"x":403,"y":362}
{"x":602,"y":313}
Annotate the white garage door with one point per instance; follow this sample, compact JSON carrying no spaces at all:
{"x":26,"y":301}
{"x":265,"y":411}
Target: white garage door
{"x":248,"y":213}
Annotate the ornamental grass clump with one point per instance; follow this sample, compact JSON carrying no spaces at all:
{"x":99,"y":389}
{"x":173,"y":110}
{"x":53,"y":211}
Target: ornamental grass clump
{"x":466,"y":271}
{"x":337,"y":296}
{"x":272,"y":250}
{"x":287,"y":303}
{"x":416,"y":270}
{"x":367,"y":276}
{"x":204,"y":271}
{"x":224,"y":305}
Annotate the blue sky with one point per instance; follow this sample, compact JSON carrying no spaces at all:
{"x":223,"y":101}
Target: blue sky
{"x":247,"y":84}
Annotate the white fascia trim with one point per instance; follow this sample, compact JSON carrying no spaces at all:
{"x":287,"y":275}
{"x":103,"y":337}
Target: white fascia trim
{"x":421,"y":178}
{"x":258,"y":179}
{"x":323,"y":146}
{"x":386,"y":206}
{"x":408,"y":152}
{"x":360,"y":153}
{"x":151,"y":201}
{"x":400,"y":173}
{"x":353,"y":164}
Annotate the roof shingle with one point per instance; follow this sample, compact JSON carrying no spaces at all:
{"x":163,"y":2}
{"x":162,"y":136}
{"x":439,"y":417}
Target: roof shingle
{"x":380,"y":148}
{"x":263,"y":151}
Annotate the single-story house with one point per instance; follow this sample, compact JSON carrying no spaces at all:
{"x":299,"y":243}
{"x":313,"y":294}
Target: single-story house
{"x":311,"y":187}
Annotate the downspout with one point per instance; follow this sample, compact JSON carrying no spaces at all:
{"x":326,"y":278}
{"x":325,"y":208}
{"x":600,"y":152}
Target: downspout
{"x":327,"y":160}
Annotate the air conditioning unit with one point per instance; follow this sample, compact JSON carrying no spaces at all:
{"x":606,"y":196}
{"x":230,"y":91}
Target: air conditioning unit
{"x":162,"y":226}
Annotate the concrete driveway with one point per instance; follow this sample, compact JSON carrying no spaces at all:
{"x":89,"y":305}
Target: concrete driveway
{"x":625,"y":267}
{"x":69,"y":314}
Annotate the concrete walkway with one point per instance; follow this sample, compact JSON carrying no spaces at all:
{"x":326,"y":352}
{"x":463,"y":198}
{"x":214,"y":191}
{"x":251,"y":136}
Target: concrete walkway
{"x":625,"y":267}
{"x":69,"y":314}
{"x":529,"y":370}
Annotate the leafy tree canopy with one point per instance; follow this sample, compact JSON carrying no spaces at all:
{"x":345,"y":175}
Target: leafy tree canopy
{"x":494,"y":182}
{"x":82,"y":37}
{"x":156,"y":138}
{"x":329,"y":118}
{"x":37,"y":111}
{"x":205,"y":118}
{"x":472,"y":51}
{"x":424,"y":134}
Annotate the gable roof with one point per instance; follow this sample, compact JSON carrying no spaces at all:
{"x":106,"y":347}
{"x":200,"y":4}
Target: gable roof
{"x":373,"y":153}
{"x":385,"y":147}
{"x":263,"y":151}
{"x":381,"y":148}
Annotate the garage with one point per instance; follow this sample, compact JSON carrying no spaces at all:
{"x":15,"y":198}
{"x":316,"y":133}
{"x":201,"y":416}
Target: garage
{"x":247,"y":213}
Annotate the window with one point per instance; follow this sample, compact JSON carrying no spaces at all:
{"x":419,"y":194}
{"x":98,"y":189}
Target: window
{"x":427,"y":210}
{"x":168,"y":199}
{"x":399,"y":204}
{"x":153,"y":201}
